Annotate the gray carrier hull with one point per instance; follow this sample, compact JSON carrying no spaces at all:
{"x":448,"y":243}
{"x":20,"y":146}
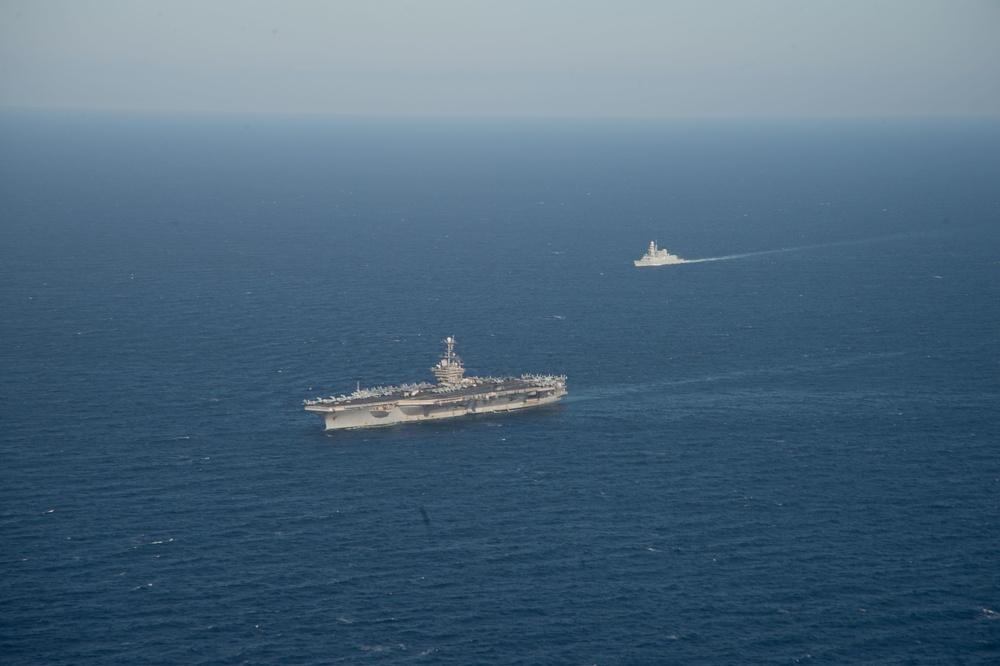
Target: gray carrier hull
{"x":339,"y":417}
{"x":454,"y":395}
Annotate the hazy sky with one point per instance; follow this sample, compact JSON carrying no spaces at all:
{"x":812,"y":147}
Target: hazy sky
{"x":512,"y":57}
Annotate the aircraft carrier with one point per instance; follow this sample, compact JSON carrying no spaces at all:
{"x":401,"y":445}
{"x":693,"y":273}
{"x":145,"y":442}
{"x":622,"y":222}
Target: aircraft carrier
{"x":453,"y":395}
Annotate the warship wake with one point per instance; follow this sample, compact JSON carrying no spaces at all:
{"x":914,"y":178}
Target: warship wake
{"x":453,"y":395}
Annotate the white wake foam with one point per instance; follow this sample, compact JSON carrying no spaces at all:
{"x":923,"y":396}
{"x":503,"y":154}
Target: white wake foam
{"x":862,"y":241}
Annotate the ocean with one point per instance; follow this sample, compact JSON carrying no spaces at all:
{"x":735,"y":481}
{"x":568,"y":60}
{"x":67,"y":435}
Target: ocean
{"x":787,"y":454}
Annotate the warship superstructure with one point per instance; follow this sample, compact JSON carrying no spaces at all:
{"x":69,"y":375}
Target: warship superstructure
{"x":657,"y":256}
{"x":453,"y":395}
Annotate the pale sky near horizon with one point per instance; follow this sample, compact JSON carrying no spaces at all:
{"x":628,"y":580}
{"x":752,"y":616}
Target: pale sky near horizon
{"x":591,"y":58}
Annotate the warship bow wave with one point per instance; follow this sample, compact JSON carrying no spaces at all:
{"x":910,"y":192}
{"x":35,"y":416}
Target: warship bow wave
{"x":658,"y":257}
{"x":453,"y":395}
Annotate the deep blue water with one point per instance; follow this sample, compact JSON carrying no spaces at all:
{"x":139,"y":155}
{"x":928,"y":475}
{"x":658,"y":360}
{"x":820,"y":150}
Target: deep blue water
{"x":786,"y":456}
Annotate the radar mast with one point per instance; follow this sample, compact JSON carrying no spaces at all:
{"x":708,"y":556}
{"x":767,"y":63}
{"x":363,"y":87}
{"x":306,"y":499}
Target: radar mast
{"x":449,"y":370}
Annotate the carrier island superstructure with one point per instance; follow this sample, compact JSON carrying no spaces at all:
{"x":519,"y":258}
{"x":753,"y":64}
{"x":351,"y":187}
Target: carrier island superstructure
{"x":453,"y":395}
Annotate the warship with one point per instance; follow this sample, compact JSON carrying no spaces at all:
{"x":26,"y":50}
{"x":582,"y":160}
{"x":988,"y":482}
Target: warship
{"x":658,"y":257}
{"x":453,"y":395}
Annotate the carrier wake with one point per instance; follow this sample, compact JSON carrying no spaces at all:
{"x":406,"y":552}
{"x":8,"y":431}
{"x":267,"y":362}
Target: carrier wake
{"x":453,"y":395}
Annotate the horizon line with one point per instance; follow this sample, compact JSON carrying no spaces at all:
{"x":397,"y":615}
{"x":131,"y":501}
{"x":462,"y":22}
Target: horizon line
{"x":6,"y":108}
